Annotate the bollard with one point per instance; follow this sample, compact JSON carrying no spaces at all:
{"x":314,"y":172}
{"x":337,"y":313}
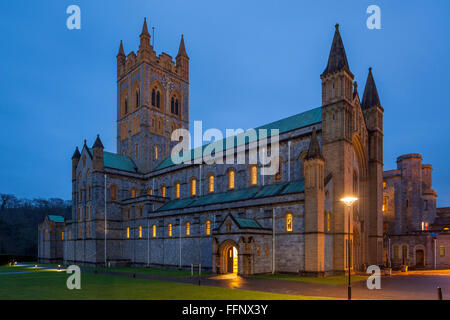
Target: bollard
{"x":439,"y":292}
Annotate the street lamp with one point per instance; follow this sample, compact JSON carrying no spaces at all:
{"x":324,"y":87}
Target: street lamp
{"x":348,"y":202}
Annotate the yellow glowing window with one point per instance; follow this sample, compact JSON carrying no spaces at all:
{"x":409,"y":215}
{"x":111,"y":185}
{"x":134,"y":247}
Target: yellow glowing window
{"x":154,"y":231}
{"x":231,"y":179}
{"x":384,"y":185}
{"x":128,"y":232}
{"x":163,"y":191}
{"x":442,"y":250}
{"x":169,"y":229}
{"x":156,"y":153}
{"x":253,"y":175}
{"x":208,"y":227}
{"x":150,"y":192}
{"x":289,"y":222}
{"x":133,"y":193}
{"x":62,"y":235}
{"x":140,"y":231}
{"x":385,"y":201}
{"x":177,"y":190}
{"x":328,"y":221}
{"x":193,"y":187}
{"x":188,"y":228}
{"x":211,"y":183}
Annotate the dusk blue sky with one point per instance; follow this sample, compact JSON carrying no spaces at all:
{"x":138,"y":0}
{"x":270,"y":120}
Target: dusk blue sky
{"x":251,"y":63}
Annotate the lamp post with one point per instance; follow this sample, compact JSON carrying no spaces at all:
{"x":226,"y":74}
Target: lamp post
{"x":348,"y":202}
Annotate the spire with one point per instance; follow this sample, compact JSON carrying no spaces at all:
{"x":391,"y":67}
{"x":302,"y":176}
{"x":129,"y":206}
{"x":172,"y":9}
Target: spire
{"x":144,"y":28}
{"x":337,"y":59}
{"x":98,"y":143}
{"x":121,"y":51}
{"x":370,"y":97}
{"x":76,"y":154}
{"x":355,"y":89}
{"x":314,"y":147}
{"x":182,"y":48}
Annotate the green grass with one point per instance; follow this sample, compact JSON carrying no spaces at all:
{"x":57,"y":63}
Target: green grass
{"x":52,"y":285}
{"x":149,"y":271}
{"x":330,"y":280}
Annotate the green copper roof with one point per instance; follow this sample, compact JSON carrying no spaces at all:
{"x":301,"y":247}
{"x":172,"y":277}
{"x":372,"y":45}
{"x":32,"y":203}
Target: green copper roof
{"x":246,"y":223}
{"x":117,"y":161}
{"x":297,"y":121}
{"x":236,"y":195}
{"x":56,"y":218}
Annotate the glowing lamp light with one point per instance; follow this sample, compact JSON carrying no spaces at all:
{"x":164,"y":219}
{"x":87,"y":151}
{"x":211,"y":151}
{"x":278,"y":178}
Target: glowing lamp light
{"x":348,"y":201}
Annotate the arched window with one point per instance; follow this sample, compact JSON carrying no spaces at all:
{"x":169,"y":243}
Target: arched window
{"x":137,"y":99}
{"x":169,"y":229}
{"x":154,"y":231}
{"x":211,"y":183}
{"x":158,"y":99}
{"x":177,"y":190}
{"x":188,"y":228}
{"x":253,"y":175}
{"x":208,"y":227}
{"x":154,"y":97}
{"x":396,"y":255}
{"x":289,"y":222}
{"x":385,"y":201}
{"x":176,"y":106}
{"x":193,"y":187}
{"x":89,"y":230}
{"x":62,"y":235}
{"x":126,"y":106}
{"x":113,"y":192}
{"x":163,"y":191}
{"x":231,"y":179}
{"x":172,"y":105}
{"x":405,"y":253}
{"x":156,"y":153}
{"x":89,"y":193}
{"x":128,"y":232}
{"x":140,"y":231}
{"x":133,"y":192}
{"x":328,"y":221}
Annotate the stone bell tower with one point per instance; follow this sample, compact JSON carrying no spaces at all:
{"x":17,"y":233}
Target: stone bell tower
{"x":152,"y":101}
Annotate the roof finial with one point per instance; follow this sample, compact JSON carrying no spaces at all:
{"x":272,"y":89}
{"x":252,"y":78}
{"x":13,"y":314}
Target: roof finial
{"x":98,"y":143}
{"x":144,"y":27}
{"x":121,"y":51}
{"x":182,"y":48}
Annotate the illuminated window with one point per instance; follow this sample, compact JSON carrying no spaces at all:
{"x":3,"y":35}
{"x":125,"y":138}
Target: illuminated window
{"x":62,"y":235}
{"x":156,"y":153}
{"x":289,"y":222}
{"x":385,"y":201}
{"x":133,"y":192}
{"x":177,"y":190}
{"x":253,"y":175}
{"x":193,"y":187}
{"x":140,"y":231}
{"x":258,"y":250}
{"x":211,"y":183}
{"x":113,"y":192}
{"x":231,"y":179}
{"x":188,"y":228}
{"x":154,"y":231}
{"x":426,"y":225}
{"x":396,"y":252}
{"x":266,"y":250}
{"x":169,"y":230}
{"x":208,"y":227}
{"x":128,"y":232}
{"x":384,"y":185}
{"x":328,"y":221}
{"x":163,"y":191}
{"x":442,"y":250}
{"x":150,"y":192}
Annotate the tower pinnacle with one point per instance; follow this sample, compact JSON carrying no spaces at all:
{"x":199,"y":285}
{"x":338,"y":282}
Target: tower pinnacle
{"x":337,"y":59}
{"x":370,"y":97}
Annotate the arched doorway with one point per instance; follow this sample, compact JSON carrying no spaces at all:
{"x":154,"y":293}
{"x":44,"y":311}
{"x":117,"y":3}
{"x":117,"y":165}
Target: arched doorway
{"x":420,"y":258}
{"x":229,"y":257}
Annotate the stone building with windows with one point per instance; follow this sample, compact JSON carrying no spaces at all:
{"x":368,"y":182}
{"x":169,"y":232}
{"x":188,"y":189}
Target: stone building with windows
{"x":416,"y":233}
{"x":136,"y":207}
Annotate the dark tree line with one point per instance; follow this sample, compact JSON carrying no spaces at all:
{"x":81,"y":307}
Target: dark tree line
{"x":19,"y":219}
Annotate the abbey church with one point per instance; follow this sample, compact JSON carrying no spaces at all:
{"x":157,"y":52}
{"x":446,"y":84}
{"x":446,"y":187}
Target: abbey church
{"x":136,"y":207}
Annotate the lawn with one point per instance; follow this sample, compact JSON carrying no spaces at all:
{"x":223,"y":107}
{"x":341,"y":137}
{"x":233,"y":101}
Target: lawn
{"x":330,"y":280}
{"x":52,"y":285}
